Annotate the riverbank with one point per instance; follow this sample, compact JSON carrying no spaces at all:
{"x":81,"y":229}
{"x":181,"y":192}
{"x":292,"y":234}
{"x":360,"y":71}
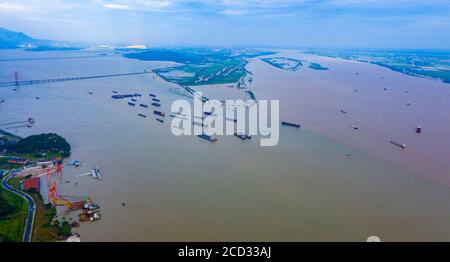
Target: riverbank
{"x":32,"y":221}
{"x":12,"y":215}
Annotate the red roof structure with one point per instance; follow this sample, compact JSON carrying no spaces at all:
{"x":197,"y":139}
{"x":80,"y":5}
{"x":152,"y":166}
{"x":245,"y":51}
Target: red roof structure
{"x":32,"y":183}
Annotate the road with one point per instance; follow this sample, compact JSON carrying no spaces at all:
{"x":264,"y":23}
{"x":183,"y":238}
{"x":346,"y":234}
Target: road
{"x":28,"y":230}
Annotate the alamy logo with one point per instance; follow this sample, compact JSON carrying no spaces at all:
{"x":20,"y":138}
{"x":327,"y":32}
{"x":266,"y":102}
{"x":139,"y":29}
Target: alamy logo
{"x":227,"y":117}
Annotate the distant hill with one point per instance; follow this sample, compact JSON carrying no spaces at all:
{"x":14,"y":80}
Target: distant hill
{"x":11,"y":39}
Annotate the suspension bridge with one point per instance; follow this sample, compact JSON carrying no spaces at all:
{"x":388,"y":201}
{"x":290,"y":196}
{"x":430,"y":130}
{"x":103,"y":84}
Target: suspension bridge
{"x":18,"y":82}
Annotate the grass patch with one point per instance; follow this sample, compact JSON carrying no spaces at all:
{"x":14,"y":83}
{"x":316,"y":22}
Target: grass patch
{"x":12,"y":225}
{"x":43,"y":231}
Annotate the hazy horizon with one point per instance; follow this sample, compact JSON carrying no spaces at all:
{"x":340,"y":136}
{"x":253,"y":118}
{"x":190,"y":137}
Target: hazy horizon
{"x":398,"y":24}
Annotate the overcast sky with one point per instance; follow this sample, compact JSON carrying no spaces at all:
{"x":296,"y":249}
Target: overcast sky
{"x":289,"y":23}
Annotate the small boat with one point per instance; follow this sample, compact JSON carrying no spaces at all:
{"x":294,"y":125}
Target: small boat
{"x":242,"y":136}
{"x":156,"y":100}
{"x":90,"y":218}
{"x":152,"y":95}
{"x":91,"y":93}
{"x":143,"y":105}
{"x":418,"y":129}
{"x":156,"y":104}
{"x":402,"y":146}
{"x":115,"y":92}
{"x":134,"y":100}
{"x":160,"y":120}
{"x":96,"y":173}
{"x":172,"y":115}
{"x":343,"y":111}
{"x":142,"y":115}
{"x":231,"y":119}
{"x":38,"y":98}
{"x":284,"y":123}
{"x":207,"y":137}
{"x":353,"y":127}
{"x":208,"y":113}
{"x":131,"y":104}
{"x":158,"y":113}
{"x":76,"y":163}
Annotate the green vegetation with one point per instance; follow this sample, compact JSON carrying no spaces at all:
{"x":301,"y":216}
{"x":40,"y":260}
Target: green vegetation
{"x":220,"y":72}
{"x":429,"y":64}
{"x":201,"y":66}
{"x":39,"y":145}
{"x":13,"y":213}
{"x":65,"y":230}
{"x":43,"y":230}
{"x":284,"y":63}
{"x":316,"y":66}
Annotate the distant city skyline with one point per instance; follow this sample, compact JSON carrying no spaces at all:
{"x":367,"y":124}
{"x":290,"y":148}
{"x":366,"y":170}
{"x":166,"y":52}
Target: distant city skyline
{"x":396,"y":24}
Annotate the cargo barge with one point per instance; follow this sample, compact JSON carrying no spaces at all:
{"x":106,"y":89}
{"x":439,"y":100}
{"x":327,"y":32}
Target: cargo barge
{"x":125,"y":96}
{"x":158,"y":113}
{"x":206,"y":137}
{"x":284,"y":123}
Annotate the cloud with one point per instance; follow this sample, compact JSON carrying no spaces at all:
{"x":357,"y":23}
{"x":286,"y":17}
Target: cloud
{"x":232,"y":12}
{"x":12,"y":7}
{"x":116,"y":6}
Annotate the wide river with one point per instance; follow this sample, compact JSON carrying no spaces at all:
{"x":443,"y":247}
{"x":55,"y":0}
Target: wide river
{"x":324,"y":182}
